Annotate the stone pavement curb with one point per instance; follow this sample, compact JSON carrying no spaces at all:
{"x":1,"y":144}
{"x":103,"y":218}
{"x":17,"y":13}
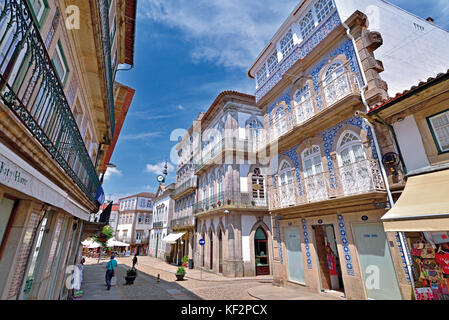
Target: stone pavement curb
{"x":270,"y":292}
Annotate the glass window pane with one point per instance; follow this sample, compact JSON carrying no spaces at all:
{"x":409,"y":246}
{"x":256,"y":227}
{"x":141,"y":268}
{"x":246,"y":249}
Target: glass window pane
{"x":6,"y":206}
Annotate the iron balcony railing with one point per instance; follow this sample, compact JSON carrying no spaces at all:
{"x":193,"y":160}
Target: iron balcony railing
{"x":356,"y":178}
{"x":230,"y":200}
{"x":106,"y":46}
{"x":184,"y":222}
{"x":158,"y":224}
{"x":32,"y":90}
{"x":190,"y":183}
{"x":213,"y":153}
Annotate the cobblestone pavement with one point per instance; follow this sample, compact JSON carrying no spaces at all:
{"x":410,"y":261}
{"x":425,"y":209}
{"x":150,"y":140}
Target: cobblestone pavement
{"x":212,"y":287}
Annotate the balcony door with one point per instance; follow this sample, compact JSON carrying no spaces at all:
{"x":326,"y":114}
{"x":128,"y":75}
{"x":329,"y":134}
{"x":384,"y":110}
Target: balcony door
{"x":354,"y":166}
{"x":303,"y":105}
{"x":314,"y":177}
{"x":335,"y":82}
{"x":258,"y":188}
{"x":286,"y":185}
{"x":279,"y":122}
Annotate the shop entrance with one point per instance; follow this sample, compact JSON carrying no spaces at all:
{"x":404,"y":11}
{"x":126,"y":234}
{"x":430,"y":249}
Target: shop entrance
{"x":328,"y":259}
{"x":261,"y":251}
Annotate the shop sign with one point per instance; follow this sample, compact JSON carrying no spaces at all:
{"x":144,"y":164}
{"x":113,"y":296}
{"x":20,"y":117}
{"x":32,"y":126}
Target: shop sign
{"x":11,"y":175}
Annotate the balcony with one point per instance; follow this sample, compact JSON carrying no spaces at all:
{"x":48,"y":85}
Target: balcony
{"x":185,"y":187}
{"x":335,"y":93}
{"x":214,"y":154}
{"x":158,"y":224}
{"x":31,"y":89}
{"x":183,"y":223}
{"x":230,"y":200}
{"x":354,"y":179}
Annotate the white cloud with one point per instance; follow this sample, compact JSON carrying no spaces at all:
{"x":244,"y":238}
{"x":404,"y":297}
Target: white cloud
{"x":112,"y":172}
{"x":139,"y":136}
{"x":180,"y":107}
{"x":115,"y":196}
{"x":230,"y":33}
{"x":159,"y":167}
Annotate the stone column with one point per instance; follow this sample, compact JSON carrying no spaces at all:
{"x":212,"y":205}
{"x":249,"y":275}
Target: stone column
{"x":232,"y":259}
{"x":366,"y":43}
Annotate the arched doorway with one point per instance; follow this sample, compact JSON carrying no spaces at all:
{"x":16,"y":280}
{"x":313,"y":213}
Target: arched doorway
{"x":261,"y":252}
{"x":220,"y":252}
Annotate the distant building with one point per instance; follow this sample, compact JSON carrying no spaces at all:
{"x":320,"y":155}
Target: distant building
{"x":134,"y":221}
{"x":160,"y":228}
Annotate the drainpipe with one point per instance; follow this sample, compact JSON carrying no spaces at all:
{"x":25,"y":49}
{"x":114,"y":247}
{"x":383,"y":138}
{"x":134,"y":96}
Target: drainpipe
{"x":390,"y":198}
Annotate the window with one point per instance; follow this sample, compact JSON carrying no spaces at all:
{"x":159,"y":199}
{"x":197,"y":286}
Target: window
{"x":258,"y":187}
{"x":439,"y":126}
{"x":307,"y":24}
{"x":261,"y":75}
{"x":315,"y":180}
{"x":280,"y":122}
{"x":323,"y":8}
{"x":272,"y":62}
{"x":287,"y":43}
{"x":335,"y":83}
{"x":354,"y":169}
{"x":38,"y":8}
{"x":149,"y":204}
{"x":303,"y":104}
{"x":60,"y":64}
{"x":286,"y":185}
{"x":140,"y":219}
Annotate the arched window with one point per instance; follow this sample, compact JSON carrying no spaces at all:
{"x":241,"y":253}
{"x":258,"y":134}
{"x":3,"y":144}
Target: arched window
{"x":354,"y":168}
{"x":254,"y":130}
{"x":279,"y":126}
{"x":286,"y":185}
{"x":303,"y":104}
{"x":335,"y":82}
{"x":314,"y":177}
{"x":258,"y":188}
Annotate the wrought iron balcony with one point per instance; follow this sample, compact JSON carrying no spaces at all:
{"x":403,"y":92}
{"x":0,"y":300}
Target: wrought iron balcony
{"x":183,"y":188}
{"x":357,"y":178}
{"x":106,"y":46}
{"x":182,"y":223}
{"x":229,"y":200}
{"x":158,"y":224}
{"x":32,"y":90}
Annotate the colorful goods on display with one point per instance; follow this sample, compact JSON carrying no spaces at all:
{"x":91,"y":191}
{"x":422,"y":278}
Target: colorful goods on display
{"x":430,"y":257}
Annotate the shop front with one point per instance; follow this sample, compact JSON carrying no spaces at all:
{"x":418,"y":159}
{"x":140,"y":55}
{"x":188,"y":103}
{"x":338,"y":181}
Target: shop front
{"x":421,"y":217}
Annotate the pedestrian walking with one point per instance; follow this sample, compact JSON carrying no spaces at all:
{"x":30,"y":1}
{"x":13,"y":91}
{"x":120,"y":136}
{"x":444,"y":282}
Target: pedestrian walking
{"x":134,"y":261}
{"x":110,"y":270}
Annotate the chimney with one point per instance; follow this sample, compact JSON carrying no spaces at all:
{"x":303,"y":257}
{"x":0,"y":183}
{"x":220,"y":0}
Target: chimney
{"x":430,"y":19}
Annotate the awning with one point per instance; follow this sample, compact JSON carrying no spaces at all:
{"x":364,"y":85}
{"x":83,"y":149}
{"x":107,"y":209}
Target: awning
{"x":423,"y":205}
{"x":172,"y":237}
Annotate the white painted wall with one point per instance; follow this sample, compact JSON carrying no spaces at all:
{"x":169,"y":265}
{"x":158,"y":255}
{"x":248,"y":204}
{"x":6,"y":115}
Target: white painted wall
{"x":247,"y":224}
{"x":408,"y":55}
{"x":411,"y":144}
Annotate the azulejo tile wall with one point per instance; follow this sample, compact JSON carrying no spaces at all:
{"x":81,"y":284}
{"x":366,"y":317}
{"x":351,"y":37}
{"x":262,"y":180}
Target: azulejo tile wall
{"x":328,"y":138}
{"x":345,"y":244}
{"x":299,"y":52}
{"x":306,"y":243}
{"x":345,"y":48}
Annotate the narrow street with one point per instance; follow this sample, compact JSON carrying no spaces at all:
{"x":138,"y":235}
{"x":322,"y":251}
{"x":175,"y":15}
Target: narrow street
{"x":211,"y":287}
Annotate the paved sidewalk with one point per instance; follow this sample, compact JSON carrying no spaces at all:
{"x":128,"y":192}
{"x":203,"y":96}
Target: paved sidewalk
{"x":94,"y":284}
{"x":193,"y":274}
{"x":270,"y":292}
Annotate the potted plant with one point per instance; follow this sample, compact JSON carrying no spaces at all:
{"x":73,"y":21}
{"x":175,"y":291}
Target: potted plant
{"x":180,"y":273}
{"x":253,"y":203}
{"x":218,"y":203}
{"x":229,"y":201}
{"x":184,"y":261}
{"x":131,"y":275}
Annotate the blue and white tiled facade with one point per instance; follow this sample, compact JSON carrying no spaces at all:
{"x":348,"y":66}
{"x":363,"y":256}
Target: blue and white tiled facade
{"x":299,"y":52}
{"x":345,"y":245}
{"x":307,"y":244}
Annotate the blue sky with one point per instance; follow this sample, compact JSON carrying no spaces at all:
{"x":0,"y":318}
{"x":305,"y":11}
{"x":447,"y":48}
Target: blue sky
{"x":186,"y":53}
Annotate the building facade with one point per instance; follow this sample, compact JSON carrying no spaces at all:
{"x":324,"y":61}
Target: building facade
{"x":413,"y":128}
{"x":231,"y":208}
{"x":328,"y":189}
{"x":162,"y":214}
{"x":56,"y":121}
{"x":134,"y":221}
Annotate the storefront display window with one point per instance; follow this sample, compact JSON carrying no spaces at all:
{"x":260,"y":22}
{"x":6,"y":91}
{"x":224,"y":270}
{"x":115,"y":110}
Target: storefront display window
{"x":430,"y":258}
{"x":6,"y":207}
